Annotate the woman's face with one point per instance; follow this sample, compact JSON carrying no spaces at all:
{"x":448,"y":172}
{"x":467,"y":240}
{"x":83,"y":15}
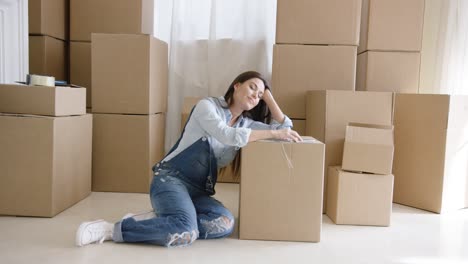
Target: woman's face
{"x":248,"y":94}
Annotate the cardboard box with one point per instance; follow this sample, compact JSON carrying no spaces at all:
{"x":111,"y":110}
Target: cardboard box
{"x":299,"y":68}
{"x":393,"y":25}
{"x":318,"y":22}
{"x":46,"y":163}
{"x":299,"y":125}
{"x":110,"y":16}
{"x":368,"y":148}
{"x":42,"y":100}
{"x":388,"y":71}
{"x":431,"y":151}
{"x":281,"y":191}
{"x":80,"y":67}
{"x":329,"y":112}
{"x":130,"y":74}
{"x":124,"y":151}
{"x":48,"y":56}
{"x":359,"y":198}
{"x":48,"y":17}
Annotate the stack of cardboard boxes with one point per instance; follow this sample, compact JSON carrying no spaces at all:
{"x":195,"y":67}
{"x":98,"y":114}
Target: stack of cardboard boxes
{"x":45,"y":149}
{"x":129,"y":78}
{"x":390,"y":45}
{"x":48,"y":38}
{"x":102,"y":16}
{"x":316,"y":49}
{"x":360,"y":191}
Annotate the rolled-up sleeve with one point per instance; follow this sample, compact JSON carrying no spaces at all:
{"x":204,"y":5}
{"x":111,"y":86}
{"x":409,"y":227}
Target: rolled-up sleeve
{"x":274,"y":125}
{"x":206,"y":115}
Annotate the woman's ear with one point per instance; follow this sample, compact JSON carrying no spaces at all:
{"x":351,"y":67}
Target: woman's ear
{"x":236,"y":85}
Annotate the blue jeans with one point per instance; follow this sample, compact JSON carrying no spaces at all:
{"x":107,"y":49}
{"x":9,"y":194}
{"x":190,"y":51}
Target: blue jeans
{"x":181,"y":197}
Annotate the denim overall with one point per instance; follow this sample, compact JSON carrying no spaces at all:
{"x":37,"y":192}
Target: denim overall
{"x":180,"y":194}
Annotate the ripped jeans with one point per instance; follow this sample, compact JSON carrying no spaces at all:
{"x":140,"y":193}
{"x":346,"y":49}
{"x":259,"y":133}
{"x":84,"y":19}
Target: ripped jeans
{"x":183,"y":214}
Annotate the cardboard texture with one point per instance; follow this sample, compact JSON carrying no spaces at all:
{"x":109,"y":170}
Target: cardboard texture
{"x":299,"y":125}
{"x":42,"y":100}
{"x":80,"y":67}
{"x":318,"y":22}
{"x":46,"y":163}
{"x":368,"y":148}
{"x":281,"y":191}
{"x":299,"y":68}
{"x":48,"y":17}
{"x":393,"y":25}
{"x":130,"y":74}
{"x":125,"y":148}
{"x":329,"y":112}
{"x":224,"y":175}
{"x":359,"y":198}
{"x":48,"y":56}
{"x":110,"y":16}
{"x":431,"y":151}
{"x":388,"y":71}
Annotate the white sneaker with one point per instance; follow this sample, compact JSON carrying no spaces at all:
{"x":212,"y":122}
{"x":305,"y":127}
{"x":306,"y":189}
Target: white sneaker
{"x":92,"y":232}
{"x":140,"y":216}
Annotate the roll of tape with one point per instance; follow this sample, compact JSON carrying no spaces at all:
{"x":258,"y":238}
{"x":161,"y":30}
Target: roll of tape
{"x":33,"y":79}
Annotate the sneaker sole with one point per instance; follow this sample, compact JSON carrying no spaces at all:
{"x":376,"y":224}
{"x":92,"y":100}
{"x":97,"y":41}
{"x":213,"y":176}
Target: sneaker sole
{"x":80,"y":230}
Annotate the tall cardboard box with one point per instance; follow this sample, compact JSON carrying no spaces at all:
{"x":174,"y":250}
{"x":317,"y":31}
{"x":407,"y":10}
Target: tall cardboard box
{"x":125,"y":148}
{"x":318,"y":22}
{"x":299,"y":125}
{"x":80,"y":67}
{"x":46,"y":163}
{"x":388,"y":71}
{"x":227,"y":174}
{"x":359,"y":198}
{"x":130,"y":74}
{"x":281,"y":191}
{"x":49,"y":17}
{"x":368,"y":148}
{"x":48,"y":56}
{"x":299,"y":68}
{"x":110,"y":16}
{"x":42,"y":100}
{"x":329,"y":112}
{"x":431,"y":151}
{"x":393,"y":25}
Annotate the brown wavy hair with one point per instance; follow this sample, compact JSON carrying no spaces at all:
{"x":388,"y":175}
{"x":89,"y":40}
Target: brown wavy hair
{"x":259,"y":113}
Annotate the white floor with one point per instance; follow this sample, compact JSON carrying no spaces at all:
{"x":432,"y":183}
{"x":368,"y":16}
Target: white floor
{"x":415,"y":236}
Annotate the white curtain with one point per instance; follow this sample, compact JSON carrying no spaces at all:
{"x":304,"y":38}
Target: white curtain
{"x":451,"y":58}
{"x":211,"y":42}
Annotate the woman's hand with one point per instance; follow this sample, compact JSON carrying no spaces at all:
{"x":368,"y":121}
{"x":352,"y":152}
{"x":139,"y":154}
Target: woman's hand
{"x":287,"y":134}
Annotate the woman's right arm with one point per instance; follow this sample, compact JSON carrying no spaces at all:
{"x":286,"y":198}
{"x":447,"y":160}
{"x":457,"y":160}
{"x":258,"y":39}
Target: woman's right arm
{"x":282,"y":134}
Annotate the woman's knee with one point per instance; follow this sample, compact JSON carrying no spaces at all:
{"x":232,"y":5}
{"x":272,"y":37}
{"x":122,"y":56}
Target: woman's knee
{"x":221,"y":226}
{"x":181,"y":238}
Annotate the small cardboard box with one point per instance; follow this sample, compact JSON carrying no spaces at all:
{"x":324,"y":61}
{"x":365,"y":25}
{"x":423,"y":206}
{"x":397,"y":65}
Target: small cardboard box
{"x":329,"y":112}
{"x":48,"y":17}
{"x":281,"y":191}
{"x":431,"y":151}
{"x":46,"y":163}
{"x":368,"y":148}
{"x":125,"y":148}
{"x":318,"y":22}
{"x":48,"y":56}
{"x":130,"y":74}
{"x":359,"y":198}
{"x":110,"y":16}
{"x":299,"y":68}
{"x":388,"y":71}
{"x":42,"y":100}
{"x":393,"y":25}
{"x":80,"y":67}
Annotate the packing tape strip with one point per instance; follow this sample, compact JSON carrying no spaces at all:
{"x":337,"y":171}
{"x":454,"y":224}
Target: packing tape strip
{"x":40,"y":80}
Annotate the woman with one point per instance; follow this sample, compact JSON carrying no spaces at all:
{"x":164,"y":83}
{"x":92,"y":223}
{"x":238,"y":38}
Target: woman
{"x":184,"y":180}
